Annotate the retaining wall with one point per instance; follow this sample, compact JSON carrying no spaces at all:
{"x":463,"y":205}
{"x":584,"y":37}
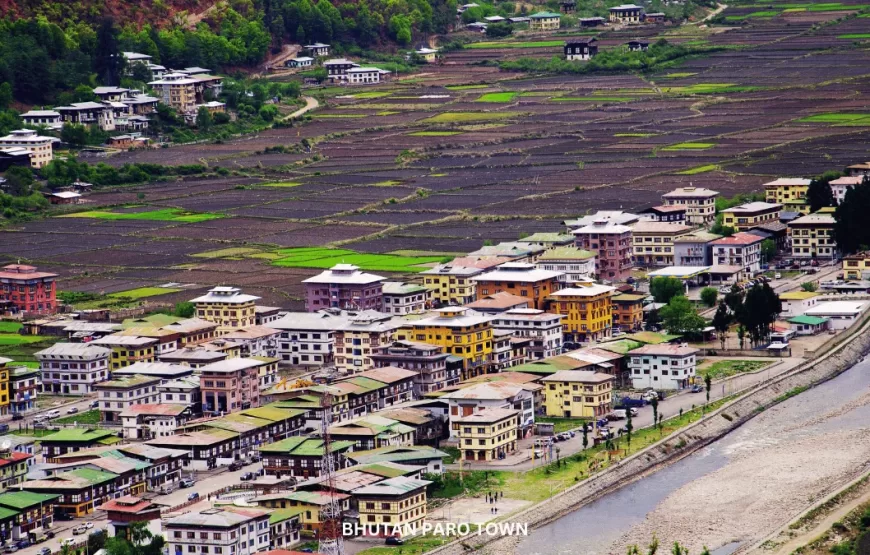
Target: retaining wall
{"x":851,"y":348}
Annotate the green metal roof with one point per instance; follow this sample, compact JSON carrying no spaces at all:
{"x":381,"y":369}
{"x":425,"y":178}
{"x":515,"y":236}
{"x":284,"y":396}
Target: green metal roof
{"x":93,"y":477}
{"x":303,"y":446}
{"x":7,"y":514}
{"x":566,"y":253}
{"x":807,"y":320}
{"x":25,"y":499}
{"x":548,"y":365}
{"x":545,"y":15}
{"x":154,"y":320}
{"x":367,"y":383}
{"x":397,"y":454}
{"x":283,"y":514}
{"x":80,"y":435}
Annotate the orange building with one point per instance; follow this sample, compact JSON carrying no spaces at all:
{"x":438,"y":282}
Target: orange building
{"x":23,"y":289}
{"x":523,"y":280}
{"x":627,"y":311}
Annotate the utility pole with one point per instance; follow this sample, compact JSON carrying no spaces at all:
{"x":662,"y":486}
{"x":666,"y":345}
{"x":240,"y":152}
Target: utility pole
{"x":331,"y":542}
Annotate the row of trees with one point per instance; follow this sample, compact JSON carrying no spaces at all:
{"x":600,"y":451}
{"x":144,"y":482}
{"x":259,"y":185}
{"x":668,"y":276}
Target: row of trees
{"x":754,"y":311}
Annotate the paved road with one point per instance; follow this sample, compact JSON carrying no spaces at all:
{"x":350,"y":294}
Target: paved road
{"x":669,"y":407}
{"x":82,"y":404}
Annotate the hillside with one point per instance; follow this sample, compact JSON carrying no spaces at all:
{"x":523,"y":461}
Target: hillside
{"x":137,"y":12}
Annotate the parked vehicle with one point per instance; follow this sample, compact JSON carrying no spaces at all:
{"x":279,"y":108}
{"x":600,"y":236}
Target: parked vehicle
{"x":39,"y":426}
{"x":777,"y":276}
{"x":53,"y":413}
{"x":89,"y":525}
{"x":605,"y":433}
{"x":237,"y":465}
{"x":697,"y":388}
{"x":40,"y":418}
{"x":49,"y":534}
{"x":192,"y":495}
{"x":246,"y":477}
{"x":22,"y":544}
{"x":95,"y":405}
{"x":618,"y":414}
{"x":80,"y":529}
{"x":187,"y":483}
{"x":67,"y":541}
{"x":4,"y":428}
{"x":539,"y":453}
{"x":649,"y":395}
{"x":625,"y":402}
{"x":11,"y":548}
{"x":44,"y":551}
{"x":72,"y":410}
{"x":17,"y":416}
{"x":393,"y":540}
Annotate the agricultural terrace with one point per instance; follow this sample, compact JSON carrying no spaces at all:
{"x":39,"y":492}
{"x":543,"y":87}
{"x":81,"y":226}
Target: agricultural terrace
{"x":396,"y":176}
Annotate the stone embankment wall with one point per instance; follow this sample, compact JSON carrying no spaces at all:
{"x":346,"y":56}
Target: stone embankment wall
{"x":848,"y":351}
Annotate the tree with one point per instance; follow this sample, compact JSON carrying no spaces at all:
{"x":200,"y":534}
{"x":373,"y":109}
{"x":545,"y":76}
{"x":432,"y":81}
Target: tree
{"x":741,"y":335}
{"x":19,"y":181}
{"x":721,"y":322}
{"x":809,"y":286}
{"x":664,"y":288}
{"x":268,"y":112}
{"x":653,"y":319}
{"x":184,"y":309}
{"x":655,"y":407}
{"x":628,"y":426}
{"x":760,"y":309}
{"x":585,"y":436}
{"x":819,"y":194}
{"x":108,"y":60}
{"x":679,"y":316}
{"x":708,"y":384}
{"x":74,"y":134}
{"x":5,"y":95}
{"x":768,"y":249}
{"x":709,"y":296}
{"x":851,"y":231}
{"x":203,"y":119}
{"x":499,"y":30}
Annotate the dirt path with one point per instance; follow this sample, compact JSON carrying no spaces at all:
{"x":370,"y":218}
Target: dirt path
{"x":310,"y":104}
{"x":719,"y":9}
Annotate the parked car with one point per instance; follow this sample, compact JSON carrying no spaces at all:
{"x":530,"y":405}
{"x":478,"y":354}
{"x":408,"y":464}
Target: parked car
{"x":777,"y":276}
{"x":89,"y":525}
{"x":605,"y":433}
{"x":4,"y":428}
{"x":697,"y":388}
{"x":80,"y":529}
{"x":17,"y":416}
{"x":237,"y":465}
{"x":95,"y":405}
{"x":44,"y":551}
{"x":49,"y":534}
{"x":72,"y":410}
{"x":246,"y":477}
{"x":53,"y":413}
{"x":393,"y":540}
{"x":40,"y":418}
{"x":11,"y":548}
{"x":539,"y":453}
{"x":192,"y":495}
{"x":618,"y":414}
{"x":187,"y":483}
{"x":21,"y":544}
{"x":67,"y":541}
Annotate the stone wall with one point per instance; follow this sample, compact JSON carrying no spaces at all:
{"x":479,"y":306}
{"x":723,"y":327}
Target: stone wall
{"x":849,"y":350}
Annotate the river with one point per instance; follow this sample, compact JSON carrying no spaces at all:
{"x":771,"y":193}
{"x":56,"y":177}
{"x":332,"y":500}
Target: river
{"x":738,"y":489}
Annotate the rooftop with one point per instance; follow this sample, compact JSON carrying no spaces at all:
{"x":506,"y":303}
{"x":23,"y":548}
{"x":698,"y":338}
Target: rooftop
{"x":500,"y":300}
{"x":798,"y":295}
{"x":579,"y":376}
{"x":665,"y":349}
{"x":788,"y":181}
{"x":344,"y":274}
{"x":566,"y":253}
{"x":660,"y":227}
{"x":588,"y":291}
{"x":215,"y":518}
{"x":488,"y":415}
{"x":402,"y":288}
{"x":690,"y":192}
{"x":519,"y":272}
{"x":77,"y":435}
{"x":230,"y":295}
{"x":491,"y":391}
{"x":808,"y":320}
{"x":154,"y":409}
{"x":815,"y":219}
{"x":753,"y":207}
{"x":837,"y":308}
{"x":740,"y":238}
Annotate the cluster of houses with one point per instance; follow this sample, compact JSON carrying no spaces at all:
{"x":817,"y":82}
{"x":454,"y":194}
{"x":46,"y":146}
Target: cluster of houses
{"x":342,"y":71}
{"x":624,"y":14}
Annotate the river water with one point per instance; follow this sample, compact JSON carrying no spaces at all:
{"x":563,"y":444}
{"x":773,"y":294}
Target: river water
{"x":738,"y":489}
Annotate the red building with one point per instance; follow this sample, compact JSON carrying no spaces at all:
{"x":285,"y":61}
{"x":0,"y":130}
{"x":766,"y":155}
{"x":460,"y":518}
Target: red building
{"x":123,"y":511}
{"x":230,"y":385}
{"x":23,"y":289}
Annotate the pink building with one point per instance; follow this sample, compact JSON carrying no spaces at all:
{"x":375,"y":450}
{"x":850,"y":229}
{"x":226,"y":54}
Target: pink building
{"x":230,"y":385}
{"x":612,"y":243}
{"x":344,"y":286}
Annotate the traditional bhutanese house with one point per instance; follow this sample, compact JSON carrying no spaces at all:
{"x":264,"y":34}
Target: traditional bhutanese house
{"x":397,"y":384}
{"x":301,"y":457}
{"x":395,"y":502}
{"x":80,"y":490}
{"x":417,"y":455}
{"x":602,"y":360}
{"x":31,"y":514}
{"x":580,"y":49}
{"x":496,"y":303}
{"x":428,"y":427}
{"x":311,"y":503}
{"x":70,"y":440}
{"x":627,"y":311}
{"x":207,"y":449}
{"x":372,"y":432}
{"x":124,"y":510}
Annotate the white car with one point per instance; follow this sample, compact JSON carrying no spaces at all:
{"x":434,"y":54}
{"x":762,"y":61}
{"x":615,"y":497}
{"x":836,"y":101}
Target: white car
{"x":89,"y":525}
{"x":67,"y":541}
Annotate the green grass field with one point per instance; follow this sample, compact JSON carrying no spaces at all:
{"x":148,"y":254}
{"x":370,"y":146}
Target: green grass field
{"x":839,"y":119}
{"x":13,"y":339}
{"x":709,"y":88}
{"x":339,"y":116}
{"x":434,"y":133}
{"x":163,"y":215}
{"x":142,"y":293}
{"x":562,"y":424}
{"x":87,"y":417}
{"x":699,"y":169}
{"x":465,"y":117}
{"x":372,"y":94}
{"x":690,"y":146}
{"x":634,"y":134}
{"x":319,"y":257}
{"x":725,"y":368}
{"x":501,"y":97}
{"x":10,"y":327}
{"x":679,"y":74}
{"x":592,"y":99}
{"x":530,"y":44}
{"x":855,"y":36}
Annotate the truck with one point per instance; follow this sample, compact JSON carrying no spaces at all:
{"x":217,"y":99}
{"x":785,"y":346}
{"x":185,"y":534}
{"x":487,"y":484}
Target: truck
{"x":628,"y":402}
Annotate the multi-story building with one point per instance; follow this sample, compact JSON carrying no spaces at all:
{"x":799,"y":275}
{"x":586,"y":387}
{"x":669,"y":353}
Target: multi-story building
{"x":612,"y":216}
{"x":227,"y":307}
{"x":73,"y":368}
{"x":627,"y":14}
{"x":428,"y":362}
{"x":394,"y":385}
{"x":587,"y":311}
{"x":700,"y":203}
{"x":542,"y":328}
{"x":746,"y":216}
{"x":230,"y":385}
{"x":301,"y":457}
{"x":662,"y":366}
{"x":99,"y":114}
{"x":856,"y":266}
{"x":653,"y":242}
{"x":255,"y":341}
{"x":578,"y":394}
{"x":194,"y":357}
{"x":118,"y":394}
{"x":406,"y":298}
{"x":308,"y":338}
{"x":499,"y":302}
{"x":363,"y":75}
{"x":146,"y":422}
{"x":46,"y":118}
{"x":694,"y":249}
{"x":359,"y":338}
{"x":583,"y":48}
{"x":390,"y":505}
{"x":185,"y":392}
{"x":741,"y":249}
{"x":796,"y":303}
{"x":40,"y":147}
{"x":344,"y":286}
{"x":336,"y":69}
{"x":627,"y":311}
{"x":812,"y":236}
{"x":514,"y":251}
{"x":128,"y":349}
{"x":544,"y":21}
{"x":664,"y":213}
{"x":452,"y":284}
{"x":488,"y":435}
{"x":523,"y":280}
{"x":80,"y":490}
{"x":73,"y":440}
{"x":462,"y":332}
{"x":573,"y":263}
{"x":13,"y":469}
{"x":23,"y":388}
{"x":219,"y":531}
{"x":488,"y":396}
{"x":612,"y":243}
{"x":194,"y":331}
{"x":28,"y":291}
{"x":34,"y":513}
{"x":841,"y":185}
{"x":5,"y":372}
{"x":177,"y":91}
{"x":791,"y":193}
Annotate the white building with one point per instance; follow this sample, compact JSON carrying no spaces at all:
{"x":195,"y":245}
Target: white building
{"x":73,"y":368}
{"x":741,"y":249}
{"x":839,"y":186}
{"x":308,"y":338}
{"x":405,"y":298}
{"x":89,"y":113}
{"x":575,"y":264}
{"x":146,"y":422}
{"x":255,"y":341}
{"x":700,"y":203}
{"x":363,"y":75}
{"x":236,"y":531}
{"x":163,"y":370}
{"x":302,"y":61}
{"x":662,"y":366}
{"x":40,"y":147}
{"x":544,"y":328}
{"x":795,"y":303}
{"x":841,"y":314}
{"x":48,"y":118}
{"x":617,"y":217}
{"x":473,"y":399}
{"x":184,"y":392}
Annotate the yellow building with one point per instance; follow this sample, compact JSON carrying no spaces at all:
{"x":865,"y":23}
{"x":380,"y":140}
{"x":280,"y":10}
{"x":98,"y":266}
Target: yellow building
{"x":362,"y":336}
{"x":578,"y":394}
{"x":395,"y":502}
{"x":587,"y":311}
{"x":628,"y":311}
{"x":176,"y":90}
{"x":544,"y":21}
{"x":856,"y":266}
{"x":452,"y":284}
{"x":789,"y":192}
{"x":812,"y":236}
{"x":488,"y":435}
{"x":128,"y":349}
{"x":40,"y":147}
{"x":653,"y":242}
{"x":746,"y":216}
{"x":227,"y":307}
{"x":5,"y":372}
{"x":461,"y":331}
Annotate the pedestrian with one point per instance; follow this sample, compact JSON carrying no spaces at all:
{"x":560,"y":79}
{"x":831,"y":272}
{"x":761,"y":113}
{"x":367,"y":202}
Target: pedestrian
{"x":496,"y":510}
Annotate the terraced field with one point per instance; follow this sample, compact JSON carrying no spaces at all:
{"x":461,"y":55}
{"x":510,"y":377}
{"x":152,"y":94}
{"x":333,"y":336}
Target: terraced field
{"x":461,"y":153}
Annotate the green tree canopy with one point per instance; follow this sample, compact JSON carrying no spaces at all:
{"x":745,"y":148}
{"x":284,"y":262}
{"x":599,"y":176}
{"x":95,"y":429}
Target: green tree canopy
{"x":664,"y":288}
{"x":679,"y":316}
{"x":851,"y":230}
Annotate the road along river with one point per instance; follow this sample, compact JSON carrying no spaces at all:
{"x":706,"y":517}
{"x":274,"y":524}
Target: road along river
{"x":738,"y":489}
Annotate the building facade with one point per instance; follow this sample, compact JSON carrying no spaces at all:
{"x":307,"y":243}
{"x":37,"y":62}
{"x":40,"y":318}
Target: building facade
{"x":40,"y":147}
{"x":612,"y":244}
{"x":587,"y":311}
{"x":230,"y":385}
{"x":812,"y":236}
{"x":662,"y":366}
{"x":119,"y":394}
{"x":227,"y":307}
{"x":789,"y":192}
{"x":27,"y":290}
{"x":578,"y":394}
{"x":240,"y":531}
{"x":653,"y":242}
{"x":73,"y":368}
{"x":741,"y":249}
{"x":488,"y":435}
{"x":543,"y":329}
{"x":746,"y":216}
{"x":344,"y":286}
{"x":452,"y":284}
{"x":523,"y":280}
{"x":700,"y":203}
{"x":544,"y":21}
{"x":574,"y":264}
{"x":405,"y":298}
